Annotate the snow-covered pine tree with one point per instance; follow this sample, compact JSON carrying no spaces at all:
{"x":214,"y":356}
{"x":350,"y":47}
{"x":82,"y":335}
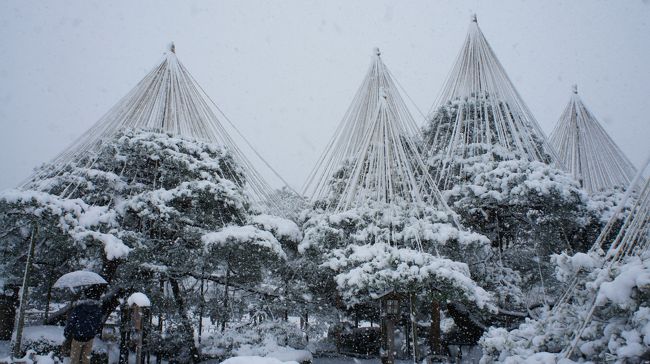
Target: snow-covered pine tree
{"x":377,"y":220}
{"x":69,"y":235}
{"x":528,"y":210}
{"x":494,"y":166}
{"x":190,"y":220}
{"x":175,"y":205}
{"x":603,"y":315}
{"x":157,"y":194}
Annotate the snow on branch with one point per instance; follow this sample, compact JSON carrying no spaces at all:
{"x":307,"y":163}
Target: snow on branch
{"x":243,"y":236}
{"x":369,"y":270}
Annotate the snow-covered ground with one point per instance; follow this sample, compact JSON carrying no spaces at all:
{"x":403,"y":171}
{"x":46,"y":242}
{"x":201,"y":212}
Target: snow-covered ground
{"x":5,"y":348}
{"x":353,"y":361}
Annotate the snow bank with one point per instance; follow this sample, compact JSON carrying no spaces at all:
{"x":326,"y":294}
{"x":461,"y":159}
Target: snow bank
{"x":255,"y":360}
{"x":287,"y":354}
{"x":32,"y":358}
{"x":46,"y":333}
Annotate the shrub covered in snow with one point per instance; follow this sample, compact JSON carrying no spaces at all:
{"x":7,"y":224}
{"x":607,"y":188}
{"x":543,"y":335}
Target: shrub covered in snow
{"x":620,"y":328}
{"x":255,"y":338}
{"x":529,"y":210}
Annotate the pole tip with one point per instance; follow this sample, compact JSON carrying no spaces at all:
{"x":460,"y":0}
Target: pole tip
{"x":474,"y":20}
{"x":377,"y":51}
{"x":574,"y":88}
{"x":172,"y":47}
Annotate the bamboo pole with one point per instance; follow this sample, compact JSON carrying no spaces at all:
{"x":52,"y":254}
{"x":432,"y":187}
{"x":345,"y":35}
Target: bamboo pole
{"x":24,"y":295}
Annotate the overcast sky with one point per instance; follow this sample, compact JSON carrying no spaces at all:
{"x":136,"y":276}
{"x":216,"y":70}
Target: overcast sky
{"x":286,"y":71}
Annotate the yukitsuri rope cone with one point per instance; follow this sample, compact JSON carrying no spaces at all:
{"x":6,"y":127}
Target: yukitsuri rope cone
{"x":374,"y":152}
{"x":632,"y":239}
{"x":168,"y":99}
{"x":479,"y":106}
{"x":587,"y":152}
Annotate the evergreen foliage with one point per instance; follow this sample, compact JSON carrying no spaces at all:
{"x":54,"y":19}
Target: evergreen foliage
{"x":152,"y":213}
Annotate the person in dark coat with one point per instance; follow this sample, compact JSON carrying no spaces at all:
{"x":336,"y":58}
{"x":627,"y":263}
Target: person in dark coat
{"x":84,"y":322}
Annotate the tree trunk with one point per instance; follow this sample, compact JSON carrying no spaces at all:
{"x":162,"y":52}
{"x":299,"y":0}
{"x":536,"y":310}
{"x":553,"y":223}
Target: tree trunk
{"x":225,"y":298}
{"x":306,"y":325}
{"x":188,"y":330}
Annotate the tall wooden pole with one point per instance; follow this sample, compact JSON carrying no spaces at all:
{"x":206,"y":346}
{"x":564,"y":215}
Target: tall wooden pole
{"x":24,"y":297}
{"x":390,"y":340}
{"x":434,"y":333}
{"x":124,"y":334}
{"x":136,"y":317}
{"x":201,"y":305}
{"x":414,"y":328}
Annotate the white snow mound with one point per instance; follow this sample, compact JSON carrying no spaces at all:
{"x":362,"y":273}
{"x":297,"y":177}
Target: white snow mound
{"x":255,"y":360}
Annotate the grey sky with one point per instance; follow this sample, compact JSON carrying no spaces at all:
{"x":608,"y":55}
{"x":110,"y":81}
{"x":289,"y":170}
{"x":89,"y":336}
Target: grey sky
{"x":286,"y":71}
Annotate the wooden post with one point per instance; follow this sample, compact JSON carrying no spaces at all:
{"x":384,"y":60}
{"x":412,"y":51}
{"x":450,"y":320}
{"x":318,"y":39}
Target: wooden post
{"x":434,"y":330}
{"x":24,"y":297}
{"x":414,"y":327}
{"x":390,"y":340}
{"x":146,"y":332}
{"x":140,"y":318}
{"x":136,"y":316}
{"x":390,"y":314}
{"x":124,"y":334}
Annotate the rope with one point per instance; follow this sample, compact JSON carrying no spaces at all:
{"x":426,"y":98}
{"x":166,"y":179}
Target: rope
{"x":633,"y":239}
{"x":375,"y":145}
{"x":168,"y":99}
{"x":488,"y":111}
{"x":586,"y":150}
